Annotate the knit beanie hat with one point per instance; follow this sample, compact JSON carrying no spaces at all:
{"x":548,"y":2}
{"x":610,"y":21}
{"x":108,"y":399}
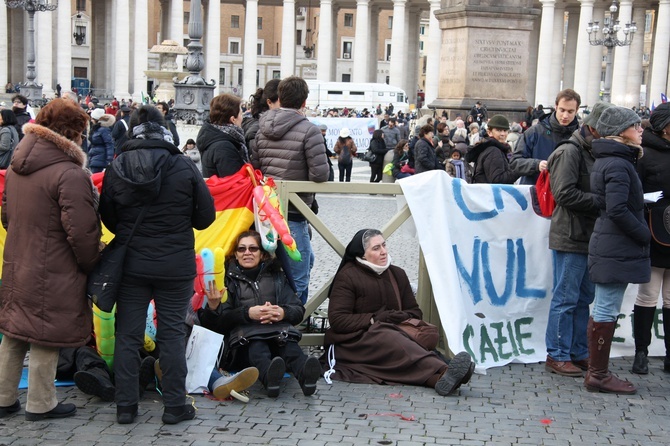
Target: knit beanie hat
{"x":615,"y":120}
{"x":597,"y":110}
{"x":660,"y":117}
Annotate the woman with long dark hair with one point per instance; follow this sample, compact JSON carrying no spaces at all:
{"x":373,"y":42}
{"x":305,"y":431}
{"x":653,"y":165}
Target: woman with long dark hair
{"x":378,"y":147}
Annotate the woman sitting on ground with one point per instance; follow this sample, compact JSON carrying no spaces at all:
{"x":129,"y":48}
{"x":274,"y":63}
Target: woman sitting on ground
{"x":368,"y":299}
{"x":260,"y":304}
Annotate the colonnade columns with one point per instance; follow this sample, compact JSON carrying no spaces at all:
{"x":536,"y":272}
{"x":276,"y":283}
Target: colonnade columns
{"x":544,"y":54}
{"x":121,"y":60}
{"x":4,"y":48}
{"x":140,"y":50}
{"x":250,"y":48}
{"x":595,"y":62}
{"x":570,"y":49}
{"x":397,"y":69}
{"x":374,"y":44}
{"x":433,"y":53}
{"x":412,"y":57}
{"x":176,"y":20}
{"x":583,"y":51}
{"x":556,"y":67}
{"x":637,"y":48}
{"x":44,"y":51}
{"x":63,"y":46}
{"x":621,"y":57}
{"x":287,"y":66}
{"x":659,"y":64}
{"x":361,"y":50}
{"x":213,"y":42}
{"x":324,"y":57}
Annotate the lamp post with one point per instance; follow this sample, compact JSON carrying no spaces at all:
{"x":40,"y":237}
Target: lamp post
{"x":31,"y":89}
{"x":610,"y":39}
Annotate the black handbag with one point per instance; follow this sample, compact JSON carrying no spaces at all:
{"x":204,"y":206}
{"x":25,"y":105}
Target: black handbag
{"x":659,"y":224}
{"x":281,"y":333}
{"x":369,"y":156}
{"x":102,"y":285}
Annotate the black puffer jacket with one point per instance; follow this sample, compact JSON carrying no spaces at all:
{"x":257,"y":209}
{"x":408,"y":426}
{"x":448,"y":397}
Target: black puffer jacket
{"x":619,"y":247}
{"x":491,"y":163}
{"x":378,"y":147}
{"x":425,"y":158}
{"x":221,"y":155}
{"x":243,"y":293}
{"x":162,"y":247}
{"x":654,"y":170}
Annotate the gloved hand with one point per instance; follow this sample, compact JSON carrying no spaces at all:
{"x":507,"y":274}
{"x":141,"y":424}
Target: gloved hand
{"x":397,"y":316}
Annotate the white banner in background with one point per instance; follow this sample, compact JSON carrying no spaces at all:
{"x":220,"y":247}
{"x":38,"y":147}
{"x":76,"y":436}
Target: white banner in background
{"x":360,"y":129}
{"x":491,"y":269}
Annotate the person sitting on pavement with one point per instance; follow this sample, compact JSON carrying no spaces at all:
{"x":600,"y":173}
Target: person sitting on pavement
{"x":369,"y":297}
{"x":490,"y":155}
{"x":260,"y":306}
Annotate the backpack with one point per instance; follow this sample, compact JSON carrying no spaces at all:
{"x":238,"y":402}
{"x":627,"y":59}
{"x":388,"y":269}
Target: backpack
{"x":543,"y":199}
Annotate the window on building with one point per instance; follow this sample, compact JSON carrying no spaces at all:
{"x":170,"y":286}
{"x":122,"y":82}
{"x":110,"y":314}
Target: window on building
{"x":222,"y":76}
{"x":260,"y":23}
{"x":81,"y":5}
{"x":81,"y":72}
{"x":388,"y":80}
{"x":81,"y":31}
{"x":346,"y":77}
{"x":234,"y":21}
{"x":347,"y":47}
{"x":420,"y":45}
{"x":276,"y":74}
{"x":422,"y":30}
{"x":647,"y":23}
{"x":258,"y":78}
{"x":349,"y":20}
{"x":187,"y":17}
{"x":390,"y":22}
{"x":239,"y":76}
{"x":645,"y":57}
{"x":259,"y":49}
{"x":298,"y":37}
{"x":234,"y":47}
{"x":603,"y":74}
{"x":388,"y":51}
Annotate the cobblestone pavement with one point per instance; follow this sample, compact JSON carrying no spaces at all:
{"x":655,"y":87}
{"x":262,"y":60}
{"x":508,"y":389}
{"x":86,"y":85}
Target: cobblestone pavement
{"x":515,"y":404}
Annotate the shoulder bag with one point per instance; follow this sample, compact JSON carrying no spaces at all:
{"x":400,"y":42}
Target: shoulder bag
{"x":102,"y":286}
{"x":659,"y":224}
{"x":423,"y":333}
{"x":280,"y":333}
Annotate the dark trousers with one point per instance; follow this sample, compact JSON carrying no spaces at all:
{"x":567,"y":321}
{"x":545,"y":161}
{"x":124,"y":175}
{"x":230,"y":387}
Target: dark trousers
{"x":345,"y":168}
{"x":171,"y":299}
{"x":261,"y":354}
{"x":72,"y":360}
{"x":377,"y":171}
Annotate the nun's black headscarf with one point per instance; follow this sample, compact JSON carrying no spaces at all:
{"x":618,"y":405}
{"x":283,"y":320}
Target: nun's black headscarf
{"x":355,"y":248}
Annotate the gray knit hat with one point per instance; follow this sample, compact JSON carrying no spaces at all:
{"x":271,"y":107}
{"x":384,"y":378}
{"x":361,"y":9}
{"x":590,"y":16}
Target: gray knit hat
{"x":615,"y":120}
{"x":660,"y":117}
{"x":597,"y":110}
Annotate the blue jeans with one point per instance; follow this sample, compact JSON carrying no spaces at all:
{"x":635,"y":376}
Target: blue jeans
{"x":609,"y":297}
{"x":569,"y":309}
{"x":300,"y":270}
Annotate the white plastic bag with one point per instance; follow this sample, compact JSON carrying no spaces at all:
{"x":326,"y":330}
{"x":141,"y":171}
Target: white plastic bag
{"x":202,"y":351}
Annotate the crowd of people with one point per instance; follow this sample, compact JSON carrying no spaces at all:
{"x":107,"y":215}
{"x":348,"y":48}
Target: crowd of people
{"x":602,"y":237}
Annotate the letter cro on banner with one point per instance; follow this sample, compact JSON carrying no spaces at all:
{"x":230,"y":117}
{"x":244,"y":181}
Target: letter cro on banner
{"x":491,"y":269}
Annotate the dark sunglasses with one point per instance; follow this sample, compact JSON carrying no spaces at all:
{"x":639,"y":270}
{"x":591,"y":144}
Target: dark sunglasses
{"x":243,"y":249}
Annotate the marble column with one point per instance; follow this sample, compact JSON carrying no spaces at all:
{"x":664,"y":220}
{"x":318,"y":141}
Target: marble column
{"x":213,"y":43}
{"x":533,"y":72}
{"x":397,"y":69}
{"x":433,"y":53}
{"x":44,"y":51}
{"x":659,"y":64}
{"x":635,"y":67}
{"x":583,"y":51}
{"x":374,"y":44}
{"x":543,"y":87}
{"x":64,"y":45}
{"x":336,"y":43}
{"x":413,"y":60}
{"x":595,"y":62}
{"x":140,"y":49}
{"x":121,"y":60}
{"x":176,"y":32}
{"x":362,"y":40}
{"x":250,"y":48}
{"x":570,"y":49}
{"x":4,"y":48}
{"x":324,"y":57}
{"x":556,"y":70}
{"x":287,"y":66}
{"x":622,"y":57}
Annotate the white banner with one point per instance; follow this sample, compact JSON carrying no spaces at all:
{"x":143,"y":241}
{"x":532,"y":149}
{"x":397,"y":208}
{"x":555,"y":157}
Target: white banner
{"x":491,"y":269}
{"x":360,"y":130}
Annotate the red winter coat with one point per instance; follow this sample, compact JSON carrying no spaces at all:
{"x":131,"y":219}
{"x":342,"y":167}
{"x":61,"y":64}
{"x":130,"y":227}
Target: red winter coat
{"x":52,"y":242}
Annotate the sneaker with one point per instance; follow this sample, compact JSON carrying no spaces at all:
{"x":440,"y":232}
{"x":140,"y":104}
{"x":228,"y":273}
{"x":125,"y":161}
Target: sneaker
{"x":126,"y":414}
{"x":309,"y":376}
{"x":60,"y":411}
{"x":8,"y":410}
{"x":238,"y":382}
{"x":93,"y":382}
{"x":174,"y":415}
{"x":274,"y":376}
{"x":459,"y":367}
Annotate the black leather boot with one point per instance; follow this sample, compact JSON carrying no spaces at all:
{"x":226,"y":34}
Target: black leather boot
{"x":666,"y":339}
{"x":643,"y":319}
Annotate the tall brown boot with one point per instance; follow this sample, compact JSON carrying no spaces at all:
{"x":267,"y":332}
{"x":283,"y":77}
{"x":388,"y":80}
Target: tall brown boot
{"x":598,"y":377}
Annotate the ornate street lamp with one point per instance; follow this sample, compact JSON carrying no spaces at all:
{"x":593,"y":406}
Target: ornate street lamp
{"x":31,"y":89}
{"x":610,"y":39}
{"x":79,"y":30}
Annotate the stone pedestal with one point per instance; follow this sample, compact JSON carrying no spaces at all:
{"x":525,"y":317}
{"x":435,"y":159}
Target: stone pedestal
{"x":192,"y":102}
{"x":34,"y":94}
{"x":484,"y":54}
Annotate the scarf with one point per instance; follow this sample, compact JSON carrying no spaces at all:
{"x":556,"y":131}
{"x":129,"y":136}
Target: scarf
{"x":627,"y":142}
{"x":460,"y":168}
{"x":374,"y":267}
{"x":235,"y":133}
{"x":152,"y":130}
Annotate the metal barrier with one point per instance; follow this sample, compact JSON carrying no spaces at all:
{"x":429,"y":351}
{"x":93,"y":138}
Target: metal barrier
{"x":288,"y":192}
